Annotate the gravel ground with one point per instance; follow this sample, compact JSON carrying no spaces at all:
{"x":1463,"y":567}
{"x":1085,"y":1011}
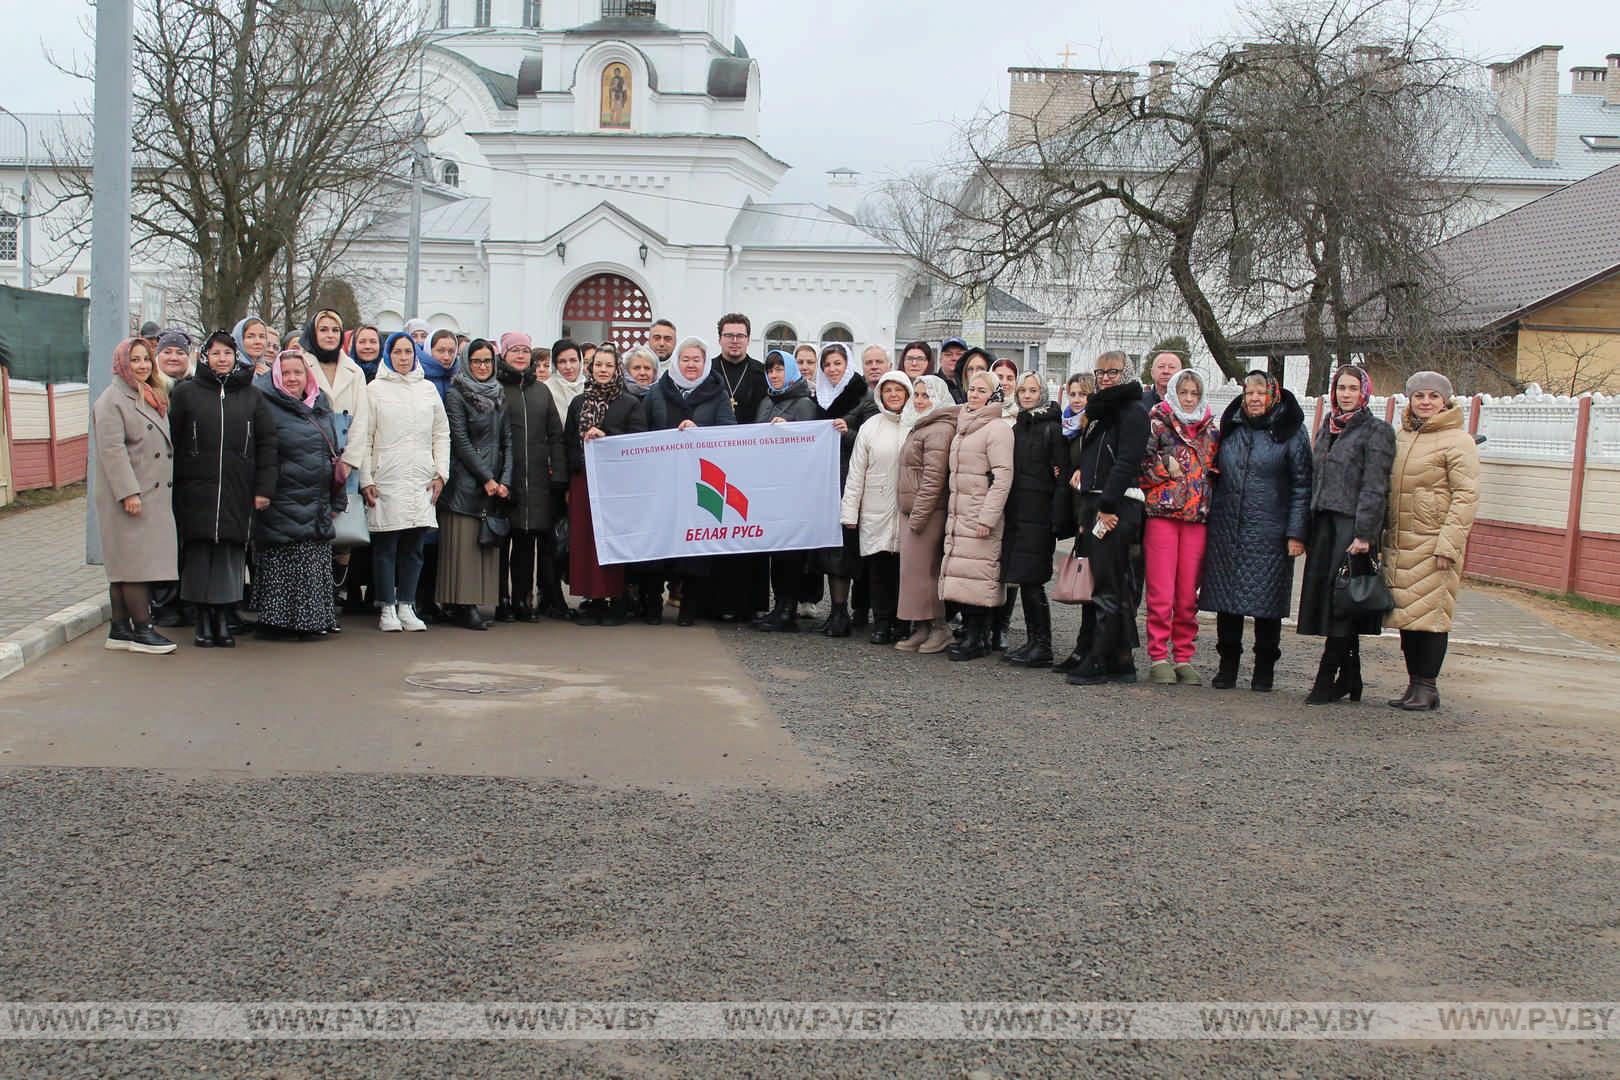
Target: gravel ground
{"x":985,"y":833}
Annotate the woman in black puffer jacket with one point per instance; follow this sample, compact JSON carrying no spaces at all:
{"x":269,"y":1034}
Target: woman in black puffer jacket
{"x":224,"y":469}
{"x":1029,"y":540}
{"x":480,"y":483}
{"x":292,"y":537}
{"x":539,"y":473}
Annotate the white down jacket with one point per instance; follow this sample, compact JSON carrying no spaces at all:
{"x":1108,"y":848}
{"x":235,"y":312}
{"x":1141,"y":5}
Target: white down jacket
{"x":872,"y":491}
{"x":408,"y":444}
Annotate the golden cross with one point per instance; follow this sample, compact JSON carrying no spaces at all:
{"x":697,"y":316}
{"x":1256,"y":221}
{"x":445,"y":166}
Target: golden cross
{"x":1067,"y":54}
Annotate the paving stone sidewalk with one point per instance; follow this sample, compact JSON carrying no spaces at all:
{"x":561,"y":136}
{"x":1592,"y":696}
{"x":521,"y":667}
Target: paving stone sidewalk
{"x":42,"y":568}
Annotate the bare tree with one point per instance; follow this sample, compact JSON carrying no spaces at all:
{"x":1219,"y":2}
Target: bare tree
{"x":1286,"y":168}
{"x":265,"y":132}
{"x":1567,"y":362}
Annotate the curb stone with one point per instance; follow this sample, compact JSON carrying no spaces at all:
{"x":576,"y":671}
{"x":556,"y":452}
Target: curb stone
{"x":39,"y":638}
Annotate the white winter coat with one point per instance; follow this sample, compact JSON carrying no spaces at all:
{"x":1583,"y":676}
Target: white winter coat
{"x":408,"y":444}
{"x":872,"y":491}
{"x":347,"y":392}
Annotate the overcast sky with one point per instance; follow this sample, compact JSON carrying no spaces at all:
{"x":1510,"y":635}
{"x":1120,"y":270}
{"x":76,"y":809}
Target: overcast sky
{"x":879,"y":85}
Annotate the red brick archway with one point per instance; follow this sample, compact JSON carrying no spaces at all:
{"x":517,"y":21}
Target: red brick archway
{"x":608,"y":307}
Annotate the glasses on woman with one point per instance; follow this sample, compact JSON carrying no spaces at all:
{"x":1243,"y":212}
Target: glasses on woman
{"x":1109,"y":372}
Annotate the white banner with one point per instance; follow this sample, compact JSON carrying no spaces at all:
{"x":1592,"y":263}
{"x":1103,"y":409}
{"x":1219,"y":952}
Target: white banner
{"x":714,"y":491}
{"x":979,"y":1021}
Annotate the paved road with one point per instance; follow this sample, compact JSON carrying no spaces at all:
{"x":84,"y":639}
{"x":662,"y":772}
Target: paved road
{"x":699,"y":814}
{"x":43,"y":568}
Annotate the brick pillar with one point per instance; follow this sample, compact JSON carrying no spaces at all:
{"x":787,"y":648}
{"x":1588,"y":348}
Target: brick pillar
{"x":50,"y":447}
{"x":1389,"y":410}
{"x":1577,"y":483}
{"x":1473,"y":413}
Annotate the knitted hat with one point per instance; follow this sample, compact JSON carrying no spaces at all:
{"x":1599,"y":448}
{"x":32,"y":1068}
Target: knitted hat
{"x":1429,"y":380}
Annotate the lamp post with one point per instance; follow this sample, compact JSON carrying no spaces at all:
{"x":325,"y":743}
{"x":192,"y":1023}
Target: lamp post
{"x":25,"y":224}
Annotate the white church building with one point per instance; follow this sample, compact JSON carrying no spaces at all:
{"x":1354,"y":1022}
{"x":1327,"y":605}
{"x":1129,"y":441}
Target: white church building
{"x":592,"y":165}
{"x":596,"y":164}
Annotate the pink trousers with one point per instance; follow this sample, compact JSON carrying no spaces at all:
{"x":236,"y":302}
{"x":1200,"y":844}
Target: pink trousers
{"x":1173,"y":554}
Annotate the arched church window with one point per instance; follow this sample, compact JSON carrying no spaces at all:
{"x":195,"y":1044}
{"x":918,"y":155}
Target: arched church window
{"x":837,"y":332}
{"x":9,"y":231}
{"x":616,"y":89}
{"x":451,"y":174}
{"x":780,"y":335}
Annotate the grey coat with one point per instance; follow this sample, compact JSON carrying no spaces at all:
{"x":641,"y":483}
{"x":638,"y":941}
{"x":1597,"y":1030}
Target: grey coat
{"x":1352,"y":473}
{"x":134,"y":457}
{"x":480,"y":451}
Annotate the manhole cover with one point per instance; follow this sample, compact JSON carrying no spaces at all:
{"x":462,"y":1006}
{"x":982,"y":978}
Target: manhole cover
{"x":477,"y":683}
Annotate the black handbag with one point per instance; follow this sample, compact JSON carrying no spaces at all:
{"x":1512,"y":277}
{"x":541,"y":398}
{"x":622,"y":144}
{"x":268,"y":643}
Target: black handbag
{"x":493,"y":527}
{"x":559,"y":539}
{"x":1361,"y":594}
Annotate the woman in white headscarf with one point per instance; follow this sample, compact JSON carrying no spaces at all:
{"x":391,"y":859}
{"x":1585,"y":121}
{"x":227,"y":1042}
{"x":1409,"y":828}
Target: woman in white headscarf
{"x":929,"y":420}
{"x":567,"y":379}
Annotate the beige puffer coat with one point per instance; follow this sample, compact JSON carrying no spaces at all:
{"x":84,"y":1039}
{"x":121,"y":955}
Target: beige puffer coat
{"x":871,"y":491}
{"x":981,"y":478}
{"x":1433,"y":492}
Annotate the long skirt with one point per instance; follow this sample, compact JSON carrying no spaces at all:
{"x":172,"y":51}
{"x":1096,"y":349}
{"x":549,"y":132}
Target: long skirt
{"x":920,"y":556}
{"x":292,"y":586}
{"x":213,"y":573}
{"x":1331,"y":533}
{"x":587,"y":578}
{"x":469,"y":572}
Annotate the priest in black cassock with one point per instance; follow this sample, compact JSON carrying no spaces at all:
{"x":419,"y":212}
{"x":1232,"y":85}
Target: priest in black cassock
{"x":740,"y":585}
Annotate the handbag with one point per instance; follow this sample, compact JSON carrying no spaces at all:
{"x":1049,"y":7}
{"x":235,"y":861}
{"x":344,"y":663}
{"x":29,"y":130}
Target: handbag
{"x":1074,"y":582}
{"x":1361,"y":594}
{"x":559,"y":539}
{"x":493,"y":527}
{"x":349,"y":527}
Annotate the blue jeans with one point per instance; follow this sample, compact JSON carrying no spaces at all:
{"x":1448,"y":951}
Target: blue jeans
{"x":396,"y":565}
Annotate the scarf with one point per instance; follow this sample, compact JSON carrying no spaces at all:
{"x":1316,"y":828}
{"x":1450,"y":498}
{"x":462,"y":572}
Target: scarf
{"x":685,"y":385}
{"x":564,"y":391}
{"x":367,"y":367}
{"x":790,"y":368}
{"x":1273,"y":397}
{"x":597,"y":396}
{"x":311,"y":389}
{"x":1201,"y":412}
{"x":826,"y":391}
{"x":939,"y":397}
{"x":1072,"y":421}
{"x":485,"y":395}
{"x":120,"y":367}
{"x":1337,"y":420}
{"x":307,"y":338}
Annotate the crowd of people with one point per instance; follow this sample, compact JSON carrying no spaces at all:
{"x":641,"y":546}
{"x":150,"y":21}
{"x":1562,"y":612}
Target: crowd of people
{"x":424,"y":476}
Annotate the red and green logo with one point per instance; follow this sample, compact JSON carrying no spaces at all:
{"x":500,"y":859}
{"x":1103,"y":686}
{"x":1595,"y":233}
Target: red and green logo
{"x":715,"y":493}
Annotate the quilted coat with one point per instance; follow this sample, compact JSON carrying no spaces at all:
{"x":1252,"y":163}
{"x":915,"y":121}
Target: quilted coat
{"x":925,"y":465}
{"x":301,"y":509}
{"x":224,"y":456}
{"x":1262,"y":500}
{"x":407,"y":446}
{"x":871,"y":495}
{"x":981,"y":480}
{"x":1028,"y":543}
{"x":1433,"y":493}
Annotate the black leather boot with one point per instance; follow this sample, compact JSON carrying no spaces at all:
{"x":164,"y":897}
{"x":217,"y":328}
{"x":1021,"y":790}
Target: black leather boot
{"x":1265,"y":666}
{"x":1037,"y":650}
{"x":838,"y":621}
{"x":204,"y":637}
{"x":1349,"y":682}
{"x":1230,"y":651}
{"x":144,"y":639}
{"x":977,"y":629}
{"x":883,"y":631}
{"x":221,"y":622}
{"x":1323,"y":690}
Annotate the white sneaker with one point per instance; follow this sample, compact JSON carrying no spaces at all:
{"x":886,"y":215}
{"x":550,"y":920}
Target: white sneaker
{"x":389,"y":622}
{"x":408,"y":619}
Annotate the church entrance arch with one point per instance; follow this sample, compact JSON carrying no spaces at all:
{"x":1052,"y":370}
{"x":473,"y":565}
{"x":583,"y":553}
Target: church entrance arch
{"x":607,"y":307}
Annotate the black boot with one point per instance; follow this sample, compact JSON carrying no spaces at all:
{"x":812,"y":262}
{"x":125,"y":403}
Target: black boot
{"x":1265,"y":666}
{"x":688,"y":610}
{"x":220,"y":620}
{"x":614,"y":615}
{"x":652,"y":606}
{"x":231,"y":619}
{"x":204,"y":637}
{"x":977,"y":629}
{"x":999,"y":619}
{"x":471,"y":618}
{"x":838,"y":621}
{"x":117,"y":635}
{"x":144,"y":639}
{"x":1324,"y":689}
{"x":1349,"y":682}
{"x":1037,"y":650}
{"x":1229,"y":647}
{"x":883,"y":632}
{"x":505,"y":612}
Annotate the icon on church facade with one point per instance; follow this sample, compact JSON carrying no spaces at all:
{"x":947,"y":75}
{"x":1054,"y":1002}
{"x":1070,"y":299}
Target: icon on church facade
{"x":616,"y":95}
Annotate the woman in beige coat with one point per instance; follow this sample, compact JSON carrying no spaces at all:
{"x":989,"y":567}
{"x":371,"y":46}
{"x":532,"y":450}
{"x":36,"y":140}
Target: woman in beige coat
{"x":981,"y":478}
{"x":1433,"y":492}
{"x":871,"y":501}
{"x":134,"y":492}
{"x":925,"y":466}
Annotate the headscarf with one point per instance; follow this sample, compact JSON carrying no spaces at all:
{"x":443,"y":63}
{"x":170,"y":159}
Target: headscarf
{"x":1273,"y":395}
{"x":269,"y":341}
{"x":385,"y":366}
{"x":368,"y":367}
{"x":899,"y":379}
{"x":631,"y":387}
{"x":1009,"y":402}
{"x":485,"y":395}
{"x":596,"y":397}
{"x":688,"y":385}
{"x":1337,"y":420}
{"x":173,"y":336}
{"x":307,"y":338}
{"x":826,"y":391}
{"x":311,"y":388}
{"x":564,"y":391}
{"x":939,"y":397}
{"x":413,"y":325}
{"x":515,"y":337}
{"x":1173,"y":399}
{"x":120,"y":366}
{"x":790,"y":369}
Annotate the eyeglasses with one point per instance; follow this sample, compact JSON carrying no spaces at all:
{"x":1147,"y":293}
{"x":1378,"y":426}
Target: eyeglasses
{"x":734,"y":337}
{"x":1108,"y":372}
